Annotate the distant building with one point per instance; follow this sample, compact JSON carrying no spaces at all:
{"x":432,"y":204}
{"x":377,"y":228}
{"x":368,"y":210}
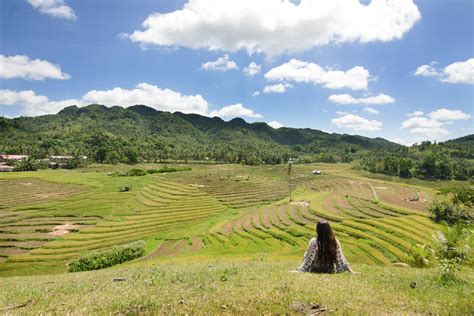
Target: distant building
{"x":5,"y":168}
{"x":59,"y":161}
{"x":318,"y":172}
{"x":4,"y":157}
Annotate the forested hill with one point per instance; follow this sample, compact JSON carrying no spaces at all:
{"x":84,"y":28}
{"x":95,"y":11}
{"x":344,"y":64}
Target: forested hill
{"x":140,"y":133}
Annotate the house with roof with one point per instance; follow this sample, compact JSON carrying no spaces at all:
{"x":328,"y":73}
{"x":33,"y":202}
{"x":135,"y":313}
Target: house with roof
{"x":59,"y":161}
{"x":5,"y":157}
{"x":5,"y":168}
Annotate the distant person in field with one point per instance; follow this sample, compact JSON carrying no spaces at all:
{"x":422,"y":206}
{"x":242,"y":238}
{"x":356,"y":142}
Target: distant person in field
{"x":324,"y":254}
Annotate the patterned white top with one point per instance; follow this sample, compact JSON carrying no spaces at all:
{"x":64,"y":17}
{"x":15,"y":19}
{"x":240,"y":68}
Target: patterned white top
{"x":312,"y":263}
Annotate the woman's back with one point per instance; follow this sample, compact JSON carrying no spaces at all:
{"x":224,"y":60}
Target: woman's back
{"x":324,"y":254}
{"x":313,"y":261}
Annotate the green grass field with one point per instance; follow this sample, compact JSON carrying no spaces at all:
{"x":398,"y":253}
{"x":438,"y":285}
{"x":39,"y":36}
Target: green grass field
{"x":212,"y":223}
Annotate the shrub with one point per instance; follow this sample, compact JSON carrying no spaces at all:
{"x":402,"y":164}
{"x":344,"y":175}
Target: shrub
{"x":456,"y":204}
{"x":422,"y":256}
{"x":136,"y":173}
{"x":108,"y":258}
{"x":73,"y":164}
{"x":452,"y":249}
{"x":27,"y":164}
{"x":168,"y":169}
{"x":140,"y":172}
{"x":448,"y":212}
{"x":125,"y":189}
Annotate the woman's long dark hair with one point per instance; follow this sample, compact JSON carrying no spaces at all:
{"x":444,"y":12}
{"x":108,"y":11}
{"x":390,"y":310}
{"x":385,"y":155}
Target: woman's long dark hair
{"x":327,"y":246}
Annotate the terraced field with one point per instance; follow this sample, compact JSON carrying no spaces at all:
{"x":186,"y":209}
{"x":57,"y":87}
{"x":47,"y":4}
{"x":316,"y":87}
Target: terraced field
{"x":212,"y":210}
{"x":160,"y":206}
{"x":238,"y":191}
{"x":24,"y":228}
{"x":376,"y":222}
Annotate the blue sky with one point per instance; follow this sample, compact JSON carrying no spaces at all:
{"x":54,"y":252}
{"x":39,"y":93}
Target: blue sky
{"x":403,"y":72}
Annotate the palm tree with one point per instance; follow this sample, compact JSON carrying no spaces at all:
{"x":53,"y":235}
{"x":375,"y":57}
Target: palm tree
{"x":452,"y":249}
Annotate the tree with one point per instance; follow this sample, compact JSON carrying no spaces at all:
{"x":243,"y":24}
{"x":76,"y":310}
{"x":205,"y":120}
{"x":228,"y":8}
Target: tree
{"x":454,"y":204}
{"x":404,"y":168}
{"x":27,"y":164}
{"x":427,"y":167}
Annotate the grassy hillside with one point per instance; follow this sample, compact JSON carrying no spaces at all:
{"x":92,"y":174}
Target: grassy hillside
{"x":219,"y":239}
{"x":257,"y":285}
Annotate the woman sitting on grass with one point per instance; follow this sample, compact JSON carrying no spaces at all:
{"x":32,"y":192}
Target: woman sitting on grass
{"x":324,"y":254}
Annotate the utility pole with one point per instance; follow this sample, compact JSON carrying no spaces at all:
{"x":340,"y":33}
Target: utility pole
{"x":290,"y":161}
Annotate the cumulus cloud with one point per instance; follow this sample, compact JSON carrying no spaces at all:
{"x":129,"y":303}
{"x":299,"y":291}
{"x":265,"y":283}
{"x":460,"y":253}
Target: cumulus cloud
{"x":449,"y":115}
{"x":277,"y":88}
{"x":275,"y":124}
{"x":153,"y":96}
{"x":221,"y":64}
{"x":427,"y":70}
{"x":424,"y":127}
{"x":458,"y":72}
{"x":276,"y":26}
{"x":33,"y":104}
{"x":357,"y":123}
{"x":416,"y":113}
{"x":144,"y":93}
{"x":421,"y":122}
{"x":434,"y":125}
{"x":21,"y":66}
{"x":301,"y":71}
{"x":235,"y":110}
{"x":255,"y":93}
{"x":348,"y":99}
{"x":54,"y":8}
{"x":370,"y":110}
{"x":252,"y":69}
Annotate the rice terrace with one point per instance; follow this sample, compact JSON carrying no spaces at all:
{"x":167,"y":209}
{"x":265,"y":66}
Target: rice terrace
{"x":236,"y":157}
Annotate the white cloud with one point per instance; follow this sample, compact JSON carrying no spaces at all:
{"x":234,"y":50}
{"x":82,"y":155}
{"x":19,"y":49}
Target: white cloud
{"x":434,"y":125}
{"x":427,"y":70}
{"x":425,"y":127}
{"x":21,"y":66}
{"x":33,"y":104}
{"x":276,"y":26}
{"x":416,"y":113}
{"x":421,"y":122}
{"x":357,"y":123}
{"x":144,"y":93}
{"x":370,"y":110}
{"x":255,"y":93}
{"x":301,"y":71}
{"x":341,"y":113}
{"x":277,"y":88}
{"x":252,"y":69}
{"x":275,"y":124}
{"x":458,"y":72}
{"x":348,"y":99}
{"x":235,"y":110}
{"x":449,"y":115}
{"x":54,"y":8}
{"x":221,"y":64}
